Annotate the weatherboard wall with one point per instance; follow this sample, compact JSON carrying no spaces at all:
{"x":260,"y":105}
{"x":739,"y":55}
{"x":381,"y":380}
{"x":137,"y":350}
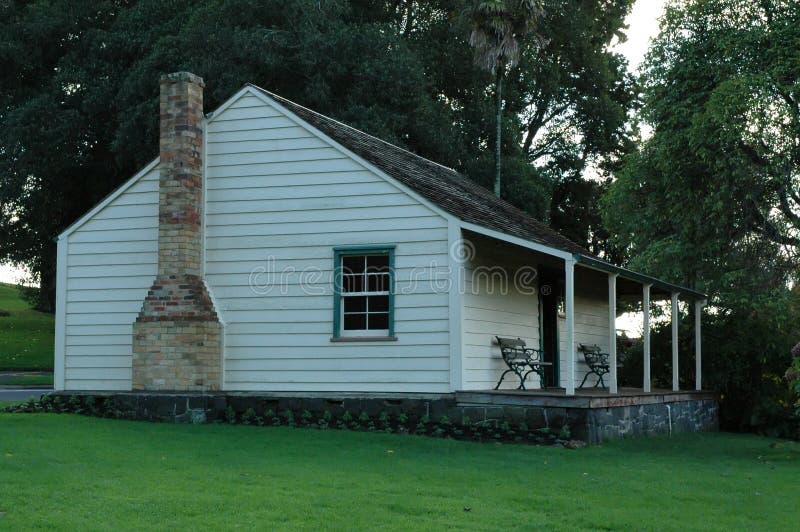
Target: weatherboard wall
{"x":279,"y":198}
{"x":499,"y":299}
{"x":111,"y":261}
{"x":591,"y":324}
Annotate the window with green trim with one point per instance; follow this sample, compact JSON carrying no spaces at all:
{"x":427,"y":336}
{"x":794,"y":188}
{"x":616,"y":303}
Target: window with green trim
{"x":363,"y":296}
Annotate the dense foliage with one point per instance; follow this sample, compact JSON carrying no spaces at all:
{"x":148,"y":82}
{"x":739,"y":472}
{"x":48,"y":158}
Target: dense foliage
{"x":710,"y":200}
{"x":793,"y":377}
{"x":79,"y":91}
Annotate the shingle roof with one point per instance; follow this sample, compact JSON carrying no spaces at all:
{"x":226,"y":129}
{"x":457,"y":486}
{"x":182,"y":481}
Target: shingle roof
{"x":443,"y":186}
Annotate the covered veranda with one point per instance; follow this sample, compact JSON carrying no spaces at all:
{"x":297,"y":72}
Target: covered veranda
{"x":626,"y":283}
{"x":588,"y":293}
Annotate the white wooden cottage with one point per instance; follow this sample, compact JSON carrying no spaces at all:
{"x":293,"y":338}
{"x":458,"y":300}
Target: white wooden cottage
{"x":329,"y":260}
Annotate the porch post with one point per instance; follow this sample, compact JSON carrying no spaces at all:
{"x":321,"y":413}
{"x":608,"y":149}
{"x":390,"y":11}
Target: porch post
{"x":569,"y":310}
{"x":675,"y":382}
{"x":646,"y":336}
{"x":612,"y":333}
{"x":698,"y":371}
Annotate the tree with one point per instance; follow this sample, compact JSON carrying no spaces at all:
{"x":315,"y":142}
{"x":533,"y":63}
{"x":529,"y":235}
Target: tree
{"x":79,"y":92}
{"x":565,"y":110}
{"x":709,"y":199}
{"x":79,"y":87}
{"x":497,"y":26}
{"x":721,"y":96}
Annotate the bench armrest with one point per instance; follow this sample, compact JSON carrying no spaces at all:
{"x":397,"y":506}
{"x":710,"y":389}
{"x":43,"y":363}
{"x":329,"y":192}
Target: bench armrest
{"x":535,"y":355}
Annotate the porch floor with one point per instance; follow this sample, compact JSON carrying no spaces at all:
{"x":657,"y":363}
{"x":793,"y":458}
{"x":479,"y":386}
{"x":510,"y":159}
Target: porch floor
{"x":583,"y":398}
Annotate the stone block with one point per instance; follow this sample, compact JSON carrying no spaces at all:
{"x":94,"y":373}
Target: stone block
{"x":534,"y":417}
{"x":555,"y":418}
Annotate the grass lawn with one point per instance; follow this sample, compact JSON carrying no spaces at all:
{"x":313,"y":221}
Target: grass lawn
{"x":30,"y":380}
{"x":72,"y":472}
{"x":26,"y":336}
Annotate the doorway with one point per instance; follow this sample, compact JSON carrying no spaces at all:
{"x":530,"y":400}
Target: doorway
{"x":550,"y":283}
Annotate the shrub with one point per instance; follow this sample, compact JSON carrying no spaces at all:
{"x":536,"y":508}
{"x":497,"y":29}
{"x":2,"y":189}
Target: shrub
{"x":792,"y":376}
{"x":487,"y":430}
{"x":249,"y":417}
{"x":745,"y":355}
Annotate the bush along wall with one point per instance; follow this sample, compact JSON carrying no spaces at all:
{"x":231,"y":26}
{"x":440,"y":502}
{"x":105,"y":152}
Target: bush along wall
{"x":427,"y":421}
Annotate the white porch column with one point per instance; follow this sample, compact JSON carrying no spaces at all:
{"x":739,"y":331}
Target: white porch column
{"x":698,"y":359}
{"x":612,"y":333}
{"x":675,"y":381}
{"x":569,"y":311}
{"x":646,"y":336}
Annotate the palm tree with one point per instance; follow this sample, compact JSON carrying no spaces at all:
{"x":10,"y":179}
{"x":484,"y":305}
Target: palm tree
{"x":497,"y":26}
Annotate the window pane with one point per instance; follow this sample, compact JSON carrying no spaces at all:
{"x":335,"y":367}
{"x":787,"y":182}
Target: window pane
{"x":378,"y":282}
{"x":379,"y":321}
{"x":379,"y":303}
{"x":366,"y":273}
{"x":378,"y":263}
{"x":353,"y":283}
{"x":355,"y":304}
{"x":355,"y":322}
{"x":352,"y":263}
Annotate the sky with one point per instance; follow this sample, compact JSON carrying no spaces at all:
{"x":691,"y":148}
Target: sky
{"x":9,"y":274}
{"x":642,"y":26}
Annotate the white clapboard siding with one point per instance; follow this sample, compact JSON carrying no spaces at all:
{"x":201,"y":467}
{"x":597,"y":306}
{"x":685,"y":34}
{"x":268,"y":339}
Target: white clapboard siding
{"x":591,"y":326}
{"x":254,"y":171}
{"x":279,"y":199}
{"x":110,"y":264}
{"x":253,"y":135}
{"x":431,"y":248}
{"x":493,"y":306}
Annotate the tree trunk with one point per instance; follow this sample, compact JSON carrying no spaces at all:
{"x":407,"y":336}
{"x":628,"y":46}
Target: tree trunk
{"x":498,"y":139}
{"x":47,"y":279}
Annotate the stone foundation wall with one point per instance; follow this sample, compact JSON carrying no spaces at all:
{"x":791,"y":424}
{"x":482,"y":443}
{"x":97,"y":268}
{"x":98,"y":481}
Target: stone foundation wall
{"x":592,"y":425}
{"x":659,"y":418}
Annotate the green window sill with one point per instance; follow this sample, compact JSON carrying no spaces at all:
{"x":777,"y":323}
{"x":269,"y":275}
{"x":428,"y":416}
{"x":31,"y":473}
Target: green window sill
{"x":364,"y":339}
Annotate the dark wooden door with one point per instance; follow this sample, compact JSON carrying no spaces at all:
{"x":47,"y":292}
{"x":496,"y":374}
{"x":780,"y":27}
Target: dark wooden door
{"x":549,"y":290}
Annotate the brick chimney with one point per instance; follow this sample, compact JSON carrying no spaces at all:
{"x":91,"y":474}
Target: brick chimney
{"x":177,"y":335}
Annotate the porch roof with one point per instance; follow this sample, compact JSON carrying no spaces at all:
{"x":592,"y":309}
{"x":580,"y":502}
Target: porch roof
{"x":597,"y":264}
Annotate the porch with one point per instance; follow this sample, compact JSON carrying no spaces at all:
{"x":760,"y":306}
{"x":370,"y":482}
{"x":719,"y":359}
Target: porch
{"x":582,"y":398}
{"x":564,"y":300}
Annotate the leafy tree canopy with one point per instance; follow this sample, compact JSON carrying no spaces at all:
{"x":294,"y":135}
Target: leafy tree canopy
{"x":710,"y":200}
{"x":79,"y":93}
{"x":712,"y":197}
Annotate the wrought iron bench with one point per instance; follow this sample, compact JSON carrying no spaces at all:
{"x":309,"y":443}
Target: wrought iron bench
{"x":521,"y":360}
{"x":597,"y":362}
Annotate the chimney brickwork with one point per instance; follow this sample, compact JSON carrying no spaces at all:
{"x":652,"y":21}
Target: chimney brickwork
{"x":177,"y":337}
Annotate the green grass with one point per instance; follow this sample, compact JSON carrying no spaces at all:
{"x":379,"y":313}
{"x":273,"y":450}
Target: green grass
{"x":29,"y":380}
{"x":26,"y":336}
{"x":70,"y":472}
